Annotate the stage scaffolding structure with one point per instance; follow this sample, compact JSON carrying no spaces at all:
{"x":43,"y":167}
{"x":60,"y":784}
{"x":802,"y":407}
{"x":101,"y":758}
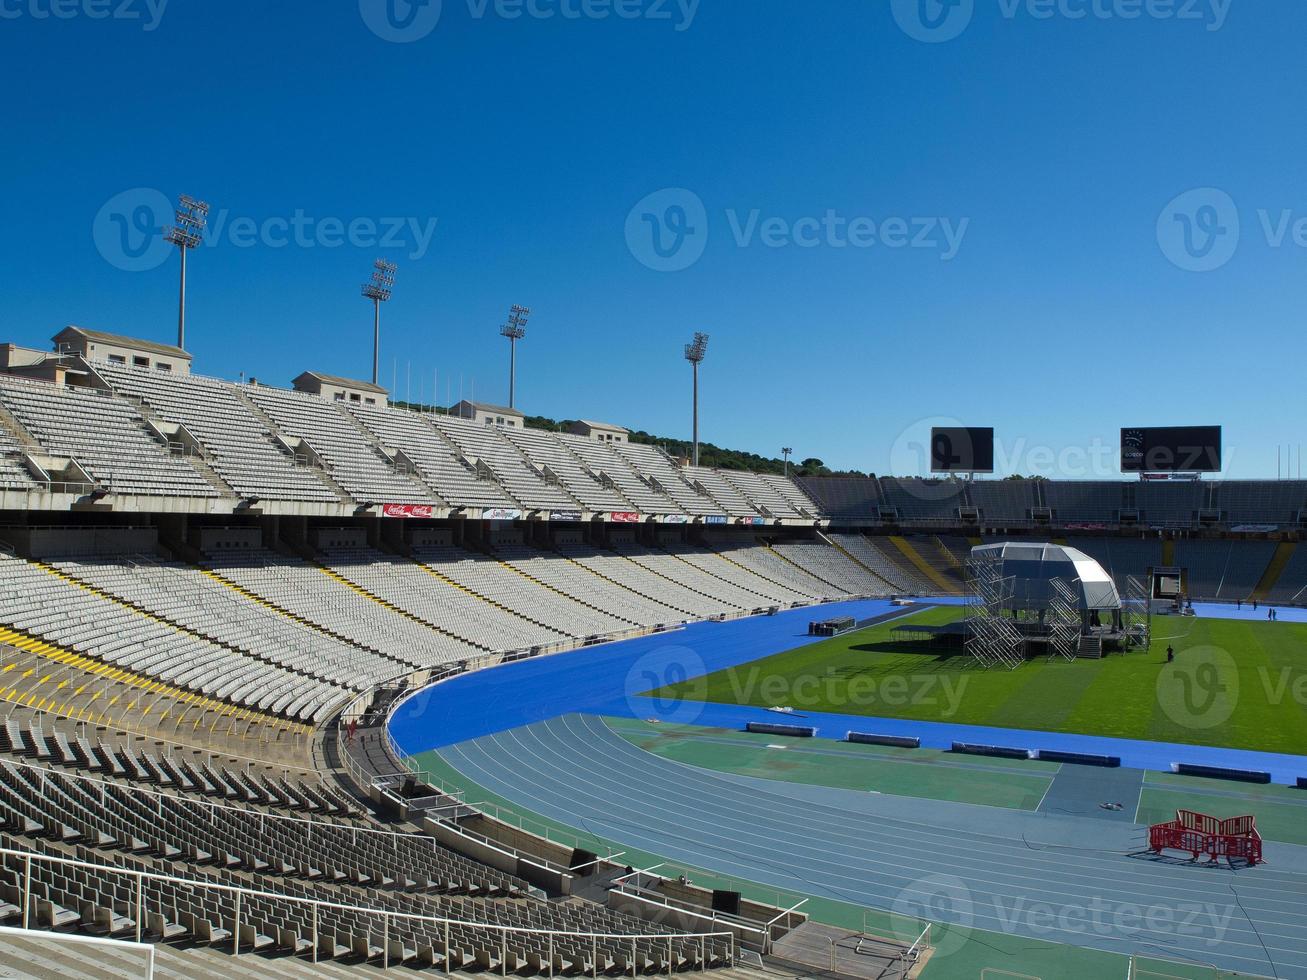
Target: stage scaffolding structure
{"x":1136,"y":613}
{"x":1063,"y":619}
{"x":993,"y":639}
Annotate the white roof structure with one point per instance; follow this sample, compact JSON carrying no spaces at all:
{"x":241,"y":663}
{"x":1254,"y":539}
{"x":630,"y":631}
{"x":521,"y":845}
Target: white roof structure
{"x":1034,"y":564}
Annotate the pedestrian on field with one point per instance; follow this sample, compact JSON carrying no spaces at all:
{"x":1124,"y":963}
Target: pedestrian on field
{"x":353,"y":727}
{"x":1170,"y":653}
{"x":1238,"y":603}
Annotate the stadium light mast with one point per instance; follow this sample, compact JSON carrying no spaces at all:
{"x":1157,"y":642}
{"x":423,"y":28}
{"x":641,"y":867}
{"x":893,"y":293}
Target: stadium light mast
{"x":186,"y":234}
{"x":695,"y":351}
{"x":379,"y":291}
{"x":514,"y":330}
{"x":785,"y":453}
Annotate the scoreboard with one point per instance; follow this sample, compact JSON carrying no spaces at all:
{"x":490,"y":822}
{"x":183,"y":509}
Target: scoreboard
{"x":1171,"y":449}
{"x":961,"y":449}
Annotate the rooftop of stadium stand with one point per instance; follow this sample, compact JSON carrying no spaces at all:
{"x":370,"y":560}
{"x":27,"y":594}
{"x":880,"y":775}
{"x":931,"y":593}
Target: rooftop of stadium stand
{"x":119,"y":340}
{"x":332,"y":379}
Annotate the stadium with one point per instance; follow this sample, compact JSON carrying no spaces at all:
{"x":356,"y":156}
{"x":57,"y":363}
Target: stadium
{"x":299,"y":682}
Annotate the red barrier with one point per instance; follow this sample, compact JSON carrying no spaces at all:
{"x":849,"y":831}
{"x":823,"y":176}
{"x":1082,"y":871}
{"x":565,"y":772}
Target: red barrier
{"x":1235,"y":838}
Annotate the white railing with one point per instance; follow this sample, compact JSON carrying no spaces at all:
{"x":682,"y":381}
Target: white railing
{"x":388,"y":918}
{"x":145,"y":949}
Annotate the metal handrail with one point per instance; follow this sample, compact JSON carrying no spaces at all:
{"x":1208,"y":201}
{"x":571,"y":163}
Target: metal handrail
{"x":30,"y":857}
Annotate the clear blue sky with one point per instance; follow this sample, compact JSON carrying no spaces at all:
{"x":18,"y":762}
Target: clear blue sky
{"x":1067,"y":306}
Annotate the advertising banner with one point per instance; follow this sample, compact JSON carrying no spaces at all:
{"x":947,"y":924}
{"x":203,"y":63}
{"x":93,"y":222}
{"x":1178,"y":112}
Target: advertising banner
{"x":715,"y":519}
{"x":407,"y":510}
{"x":674,"y":519}
{"x":564,"y":515}
{"x":501,"y":514}
{"x":624,"y":517}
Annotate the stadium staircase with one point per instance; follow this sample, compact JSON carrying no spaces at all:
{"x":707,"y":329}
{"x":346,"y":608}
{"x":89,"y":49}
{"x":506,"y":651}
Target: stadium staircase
{"x":924,"y":567}
{"x":1283,"y":553}
{"x":196,"y":459}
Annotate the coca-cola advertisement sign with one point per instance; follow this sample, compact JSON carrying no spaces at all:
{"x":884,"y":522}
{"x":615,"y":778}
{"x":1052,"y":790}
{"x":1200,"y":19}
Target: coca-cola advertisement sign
{"x":624,"y":517}
{"x":407,"y":510}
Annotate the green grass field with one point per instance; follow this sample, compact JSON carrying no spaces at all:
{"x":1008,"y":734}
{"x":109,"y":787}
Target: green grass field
{"x":1233,"y":684}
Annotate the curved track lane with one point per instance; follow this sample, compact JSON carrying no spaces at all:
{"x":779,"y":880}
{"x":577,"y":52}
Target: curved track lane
{"x":1067,"y":880}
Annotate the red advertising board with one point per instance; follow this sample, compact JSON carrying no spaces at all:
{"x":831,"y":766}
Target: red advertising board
{"x":624,"y":517}
{"x":407,"y":510}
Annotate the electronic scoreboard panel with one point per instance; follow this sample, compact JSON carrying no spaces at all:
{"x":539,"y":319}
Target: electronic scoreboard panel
{"x":1171,"y":449}
{"x":961,"y":449}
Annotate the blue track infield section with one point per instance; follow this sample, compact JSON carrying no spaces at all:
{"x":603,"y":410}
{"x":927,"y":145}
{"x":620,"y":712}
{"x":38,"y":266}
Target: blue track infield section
{"x":1060,"y":878}
{"x":610,"y":680}
{"x":600,"y":678}
{"x":1228,"y":610}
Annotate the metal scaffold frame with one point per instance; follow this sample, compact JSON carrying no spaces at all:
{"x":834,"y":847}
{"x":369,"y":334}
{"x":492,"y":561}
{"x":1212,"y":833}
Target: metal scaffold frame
{"x":993,"y":639}
{"x":1064,"y":618}
{"x":1136,"y":613}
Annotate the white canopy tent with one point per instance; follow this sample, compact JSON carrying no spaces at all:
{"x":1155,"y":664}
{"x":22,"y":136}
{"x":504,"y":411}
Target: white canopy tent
{"x":1032,"y":565}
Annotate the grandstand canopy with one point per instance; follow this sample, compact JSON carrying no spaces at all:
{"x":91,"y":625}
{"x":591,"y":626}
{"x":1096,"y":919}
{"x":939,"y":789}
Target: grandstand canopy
{"x":1034,"y":564}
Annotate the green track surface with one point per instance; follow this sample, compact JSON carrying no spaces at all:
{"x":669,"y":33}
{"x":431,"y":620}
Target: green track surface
{"x":966,"y":951}
{"x":922,"y":773}
{"x":1233,"y":684}
{"x":1281,"y":811}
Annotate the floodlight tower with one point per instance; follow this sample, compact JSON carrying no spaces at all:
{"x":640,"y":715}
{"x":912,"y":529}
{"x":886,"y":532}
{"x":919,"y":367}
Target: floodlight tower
{"x":695,"y":351}
{"x":379,"y":290}
{"x":186,"y":234}
{"x":514,"y":330}
{"x":785,"y":452}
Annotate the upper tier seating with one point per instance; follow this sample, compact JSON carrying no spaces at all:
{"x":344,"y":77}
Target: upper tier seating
{"x":524,"y":483}
{"x":240,"y":448}
{"x":848,"y":497}
{"x":352,"y":460}
{"x":603,"y":461}
{"x":436,"y":460}
{"x":721,"y":490}
{"x":547,"y":450}
{"x":656,"y":465}
{"x":105,"y":435}
{"x":13,"y":474}
{"x":924,"y":500}
{"x":762,"y":493}
{"x":1087,"y":501}
{"x":1002,"y":500}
